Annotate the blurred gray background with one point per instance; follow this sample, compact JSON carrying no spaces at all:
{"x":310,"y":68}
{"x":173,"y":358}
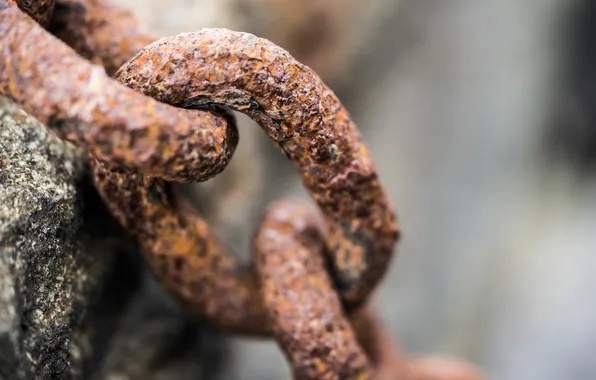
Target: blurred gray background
{"x":456,"y":100}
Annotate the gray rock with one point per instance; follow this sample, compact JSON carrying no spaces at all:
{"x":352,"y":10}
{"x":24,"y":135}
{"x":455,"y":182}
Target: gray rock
{"x":40,"y":258}
{"x":76,"y":300}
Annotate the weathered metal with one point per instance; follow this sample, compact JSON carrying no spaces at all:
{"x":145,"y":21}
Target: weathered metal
{"x":166,"y":117}
{"x":79,"y":102}
{"x":306,"y":313}
{"x":305,"y":120}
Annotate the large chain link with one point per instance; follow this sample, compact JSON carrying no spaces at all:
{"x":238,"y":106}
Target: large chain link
{"x":165,"y":116}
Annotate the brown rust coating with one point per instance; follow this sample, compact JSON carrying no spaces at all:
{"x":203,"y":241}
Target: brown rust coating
{"x":305,"y":119}
{"x":183,"y":253}
{"x":297,"y":294}
{"x":288,"y":284}
{"x":82,"y":105}
{"x":305,"y":311}
{"x":100,"y":31}
{"x":39,"y":10}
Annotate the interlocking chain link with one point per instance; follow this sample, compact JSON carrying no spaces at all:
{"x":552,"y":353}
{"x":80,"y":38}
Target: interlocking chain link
{"x":165,"y":116}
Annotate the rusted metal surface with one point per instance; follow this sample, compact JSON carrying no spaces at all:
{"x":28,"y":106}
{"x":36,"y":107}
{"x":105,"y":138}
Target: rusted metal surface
{"x":305,"y":285}
{"x":305,"y":311}
{"x":304,"y":118}
{"x":81,"y":104}
{"x":183,"y":253}
{"x":297,"y":110}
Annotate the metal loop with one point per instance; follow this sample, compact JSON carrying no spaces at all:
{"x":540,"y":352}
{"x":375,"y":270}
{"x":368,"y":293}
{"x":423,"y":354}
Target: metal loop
{"x":306,"y":121}
{"x":137,"y":142}
{"x":82,"y":105}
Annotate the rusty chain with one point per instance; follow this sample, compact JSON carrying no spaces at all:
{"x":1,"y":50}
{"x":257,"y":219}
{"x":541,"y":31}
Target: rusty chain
{"x":165,"y":116}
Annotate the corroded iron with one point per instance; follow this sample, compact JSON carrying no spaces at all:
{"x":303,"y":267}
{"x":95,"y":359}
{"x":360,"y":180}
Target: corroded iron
{"x":182,"y":251}
{"x":81,"y":104}
{"x":306,"y":286}
{"x":306,"y":121}
{"x":306,"y":313}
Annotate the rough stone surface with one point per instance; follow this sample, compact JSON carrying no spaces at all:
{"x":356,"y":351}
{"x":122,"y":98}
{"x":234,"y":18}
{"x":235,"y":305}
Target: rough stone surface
{"x":40,"y":261}
{"x":76,"y":300}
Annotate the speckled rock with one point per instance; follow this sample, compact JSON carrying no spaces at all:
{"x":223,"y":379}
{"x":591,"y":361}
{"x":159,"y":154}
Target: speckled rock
{"x":40,"y":257}
{"x":76,"y":300}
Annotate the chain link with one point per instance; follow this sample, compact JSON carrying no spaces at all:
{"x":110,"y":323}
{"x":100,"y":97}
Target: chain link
{"x":165,"y":115}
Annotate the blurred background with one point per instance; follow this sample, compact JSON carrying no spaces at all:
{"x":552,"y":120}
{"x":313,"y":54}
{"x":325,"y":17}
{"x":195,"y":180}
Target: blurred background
{"x":478,"y":114}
